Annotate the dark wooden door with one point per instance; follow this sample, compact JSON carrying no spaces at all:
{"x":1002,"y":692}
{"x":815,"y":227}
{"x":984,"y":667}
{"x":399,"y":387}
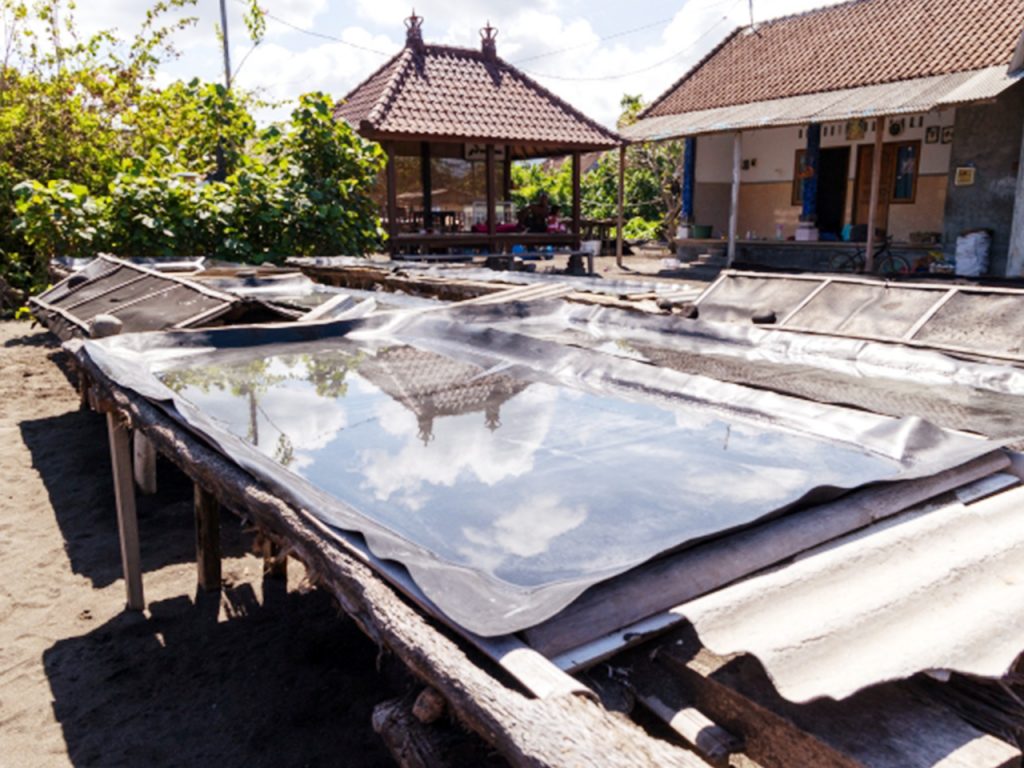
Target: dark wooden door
{"x":862,"y":185}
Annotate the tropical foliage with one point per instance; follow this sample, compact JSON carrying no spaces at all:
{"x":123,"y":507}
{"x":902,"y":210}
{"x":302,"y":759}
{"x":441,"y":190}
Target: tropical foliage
{"x":651,"y":190}
{"x":96,"y":157}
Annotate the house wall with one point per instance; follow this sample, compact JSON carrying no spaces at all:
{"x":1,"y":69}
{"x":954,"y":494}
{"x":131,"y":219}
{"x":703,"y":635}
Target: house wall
{"x":766,"y":185}
{"x":987,"y":137}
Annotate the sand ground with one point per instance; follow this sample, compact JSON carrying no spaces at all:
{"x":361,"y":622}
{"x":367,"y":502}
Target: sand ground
{"x":261,"y":674}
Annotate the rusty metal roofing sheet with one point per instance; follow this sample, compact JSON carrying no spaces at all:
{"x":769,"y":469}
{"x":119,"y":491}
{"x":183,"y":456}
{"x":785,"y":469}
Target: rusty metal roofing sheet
{"x":933,"y":589}
{"x":900,"y":98}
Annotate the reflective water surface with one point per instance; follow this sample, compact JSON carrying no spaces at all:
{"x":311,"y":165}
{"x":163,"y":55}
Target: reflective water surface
{"x":531,"y":482}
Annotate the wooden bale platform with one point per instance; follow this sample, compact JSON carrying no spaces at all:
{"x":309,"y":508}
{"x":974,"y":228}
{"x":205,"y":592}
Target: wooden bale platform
{"x":564,"y":729}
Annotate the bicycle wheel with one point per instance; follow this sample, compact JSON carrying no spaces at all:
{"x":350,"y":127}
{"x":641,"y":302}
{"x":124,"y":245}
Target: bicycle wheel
{"x":891,"y":264}
{"x":844,"y":262}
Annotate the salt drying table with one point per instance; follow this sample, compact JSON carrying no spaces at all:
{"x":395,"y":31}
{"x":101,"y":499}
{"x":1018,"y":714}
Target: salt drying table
{"x":387,"y":441}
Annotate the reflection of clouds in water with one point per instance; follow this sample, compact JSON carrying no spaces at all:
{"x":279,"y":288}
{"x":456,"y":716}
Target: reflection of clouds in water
{"x":525,"y":531}
{"x":461,"y":445}
{"x":740,"y":484}
{"x":309,"y":421}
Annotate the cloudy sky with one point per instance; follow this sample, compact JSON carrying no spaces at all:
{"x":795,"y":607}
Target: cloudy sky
{"x":590,"y":52}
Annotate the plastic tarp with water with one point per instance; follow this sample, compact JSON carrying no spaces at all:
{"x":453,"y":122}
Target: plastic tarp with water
{"x":505,"y":472}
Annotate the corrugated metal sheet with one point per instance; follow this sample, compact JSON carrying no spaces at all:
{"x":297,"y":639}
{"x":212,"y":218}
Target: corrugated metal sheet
{"x":905,"y":97}
{"x":937,"y":589}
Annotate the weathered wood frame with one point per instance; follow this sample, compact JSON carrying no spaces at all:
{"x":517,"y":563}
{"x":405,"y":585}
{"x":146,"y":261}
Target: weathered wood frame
{"x":562,"y":729}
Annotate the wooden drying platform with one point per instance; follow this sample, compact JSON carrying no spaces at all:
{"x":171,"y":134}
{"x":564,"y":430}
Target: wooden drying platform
{"x":372,"y":277}
{"x":723,"y":709}
{"x":568,"y":727}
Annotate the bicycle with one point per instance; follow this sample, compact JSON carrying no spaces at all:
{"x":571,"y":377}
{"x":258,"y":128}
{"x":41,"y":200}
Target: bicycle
{"x":885,"y":262}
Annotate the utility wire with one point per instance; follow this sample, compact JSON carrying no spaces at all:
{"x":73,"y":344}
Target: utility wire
{"x":648,"y":68}
{"x":652,"y":25}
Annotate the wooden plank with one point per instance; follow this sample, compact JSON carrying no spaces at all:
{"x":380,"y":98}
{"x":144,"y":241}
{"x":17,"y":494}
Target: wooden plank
{"x":492,"y":224}
{"x":392,"y":192}
{"x":411,"y":743}
{"x":620,"y":205}
{"x":144,"y":463}
{"x":662,"y":695}
{"x":917,"y":326}
{"x":806,"y":300}
{"x":207,"y":511}
{"x":882,"y":727}
{"x":556,"y":731}
{"x":576,"y":199}
{"x":127,"y":520}
{"x":671,"y":581}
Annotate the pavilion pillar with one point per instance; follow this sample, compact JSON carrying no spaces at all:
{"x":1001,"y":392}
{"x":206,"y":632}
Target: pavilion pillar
{"x":428,"y":193}
{"x":506,"y":181}
{"x":812,"y":161}
{"x":734,"y":199}
{"x":576,"y":172}
{"x":392,"y":185}
{"x":621,"y":205}
{"x":492,"y":224}
{"x":686,"y":214}
{"x":876,"y":187}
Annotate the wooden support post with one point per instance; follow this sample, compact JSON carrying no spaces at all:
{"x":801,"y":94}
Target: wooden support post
{"x":392,"y":185}
{"x":621,"y":205}
{"x":734,"y":200}
{"x":576,"y":206}
{"x":144,"y":463}
{"x":428,"y":192}
{"x":876,"y":187}
{"x":506,"y":182}
{"x":207,"y":539}
{"x":492,"y":224}
{"x":127,"y":521}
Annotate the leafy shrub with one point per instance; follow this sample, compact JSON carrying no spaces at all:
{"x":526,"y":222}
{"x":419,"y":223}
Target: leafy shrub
{"x":639,"y":228}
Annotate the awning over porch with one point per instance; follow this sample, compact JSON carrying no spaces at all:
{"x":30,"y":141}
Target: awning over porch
{"x":887,"y":99}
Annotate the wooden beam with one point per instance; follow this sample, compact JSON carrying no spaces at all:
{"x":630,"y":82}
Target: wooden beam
{"x":127,"y":520}
{"x":885,"y":726}
{"x":576,"y":203}
{"x":144,"y":463}
{"x":734,"y":199}
{"x":876,"y":186}
{"x":207,"y":539}
{"x":425,"y":181}
{"x":492,"y":224}
{"x":392,"y":192}
{"x":620,"y":205}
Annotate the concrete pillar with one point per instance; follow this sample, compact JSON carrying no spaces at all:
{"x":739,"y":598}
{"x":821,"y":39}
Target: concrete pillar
{"x":1015,"y":257}
{"x":689,"y":179}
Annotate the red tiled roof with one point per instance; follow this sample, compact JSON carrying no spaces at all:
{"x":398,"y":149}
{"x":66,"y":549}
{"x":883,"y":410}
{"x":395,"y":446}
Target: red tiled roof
{"x":461,"y":93}
{"x":859,"y":43}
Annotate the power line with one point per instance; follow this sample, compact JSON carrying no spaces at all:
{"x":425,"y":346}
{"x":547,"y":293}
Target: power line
{"x":321,"y":35}
{"x":652,"y":25}
{"x":648,"y":68}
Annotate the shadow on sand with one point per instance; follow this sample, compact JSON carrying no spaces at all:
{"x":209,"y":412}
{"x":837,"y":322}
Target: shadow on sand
{"x":285,"y":683}
{"x":70,"y":452}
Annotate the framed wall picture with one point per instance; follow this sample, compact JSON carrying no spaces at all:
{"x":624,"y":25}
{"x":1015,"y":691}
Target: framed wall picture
{"x":964,"y":176}
{"x":931,"y":135}
{"x":856,"y":129}
{"x":947,"y":134}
